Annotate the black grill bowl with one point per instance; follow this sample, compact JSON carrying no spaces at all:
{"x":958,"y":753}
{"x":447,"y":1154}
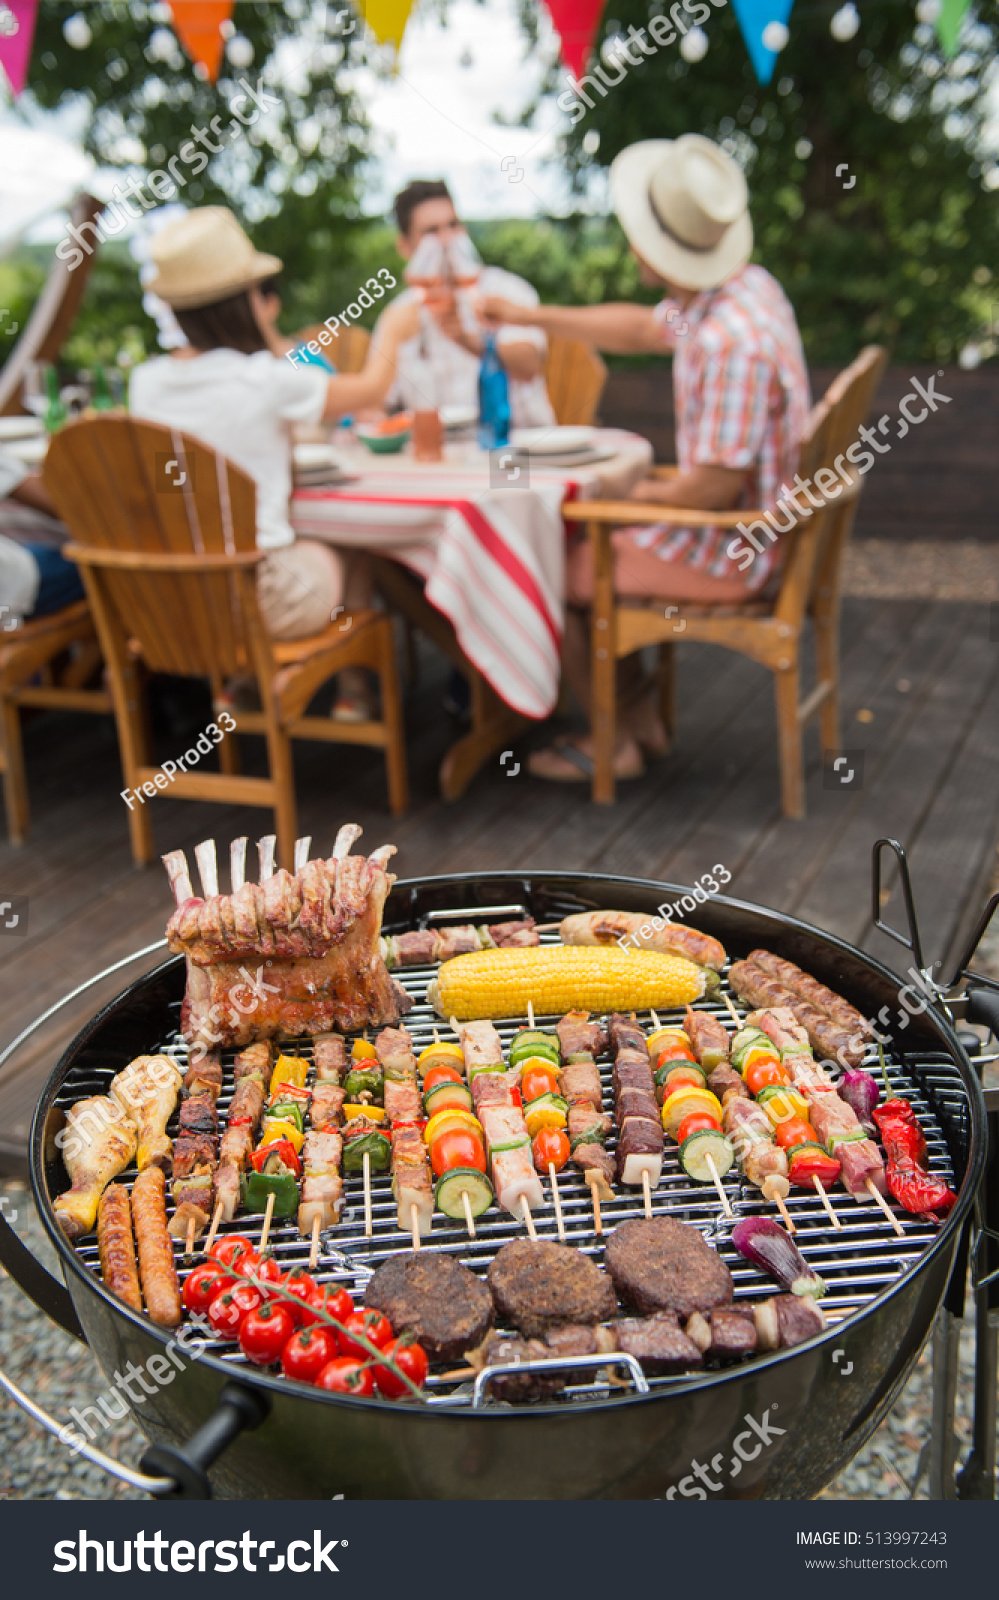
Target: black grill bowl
{"x":825,"y":1397}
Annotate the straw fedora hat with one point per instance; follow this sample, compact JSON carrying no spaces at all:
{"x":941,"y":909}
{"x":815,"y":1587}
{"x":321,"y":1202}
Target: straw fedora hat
{"x":204,"y":257}
{"x":684,"y":205}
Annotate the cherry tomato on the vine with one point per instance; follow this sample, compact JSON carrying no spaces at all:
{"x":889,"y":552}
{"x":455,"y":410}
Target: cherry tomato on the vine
{"x":346,"y":1376}
{"x":307,"y":1353}
{"x":373,"y":1325}
{"x":203,"y":1284}
{"x":411,"y":1359}
{"x":264,"y":1333}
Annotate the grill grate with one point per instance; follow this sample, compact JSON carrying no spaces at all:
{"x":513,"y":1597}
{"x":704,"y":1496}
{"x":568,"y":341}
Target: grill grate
{"x":858,"y":1262}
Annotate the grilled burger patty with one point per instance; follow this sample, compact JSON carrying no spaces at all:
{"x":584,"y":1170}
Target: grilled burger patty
{"x":538,"y":1286}
{"x":664,"y":1265}
{"x":447,"y":1307}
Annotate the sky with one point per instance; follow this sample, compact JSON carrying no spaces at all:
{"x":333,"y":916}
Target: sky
{"x":435,"y":117}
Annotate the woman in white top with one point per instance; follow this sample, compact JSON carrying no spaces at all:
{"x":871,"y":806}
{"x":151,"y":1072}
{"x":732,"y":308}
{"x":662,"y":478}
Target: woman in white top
{"x":232,"y":388}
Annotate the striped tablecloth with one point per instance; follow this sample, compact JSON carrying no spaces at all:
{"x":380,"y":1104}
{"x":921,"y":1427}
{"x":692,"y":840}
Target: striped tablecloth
{"x":491,"y":554}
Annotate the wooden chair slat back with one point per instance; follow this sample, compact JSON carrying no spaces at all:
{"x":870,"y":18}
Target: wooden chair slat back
{"x":54,"y":312}
{"x":127,"y":485}
{"x":575,"y":376}
{"x":851,"y":392}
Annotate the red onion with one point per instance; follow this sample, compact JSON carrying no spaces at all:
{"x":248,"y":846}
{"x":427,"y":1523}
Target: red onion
{"x":768,"y":1247}
{"x":861,"y":1092}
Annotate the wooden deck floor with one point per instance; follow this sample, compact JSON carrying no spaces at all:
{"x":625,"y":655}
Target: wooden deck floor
{"x":927,"y":673}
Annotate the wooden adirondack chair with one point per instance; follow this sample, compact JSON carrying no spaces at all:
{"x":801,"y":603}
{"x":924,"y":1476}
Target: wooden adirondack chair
{"x":575,"y":377}
{"x":168,"y":561}
{"x":768,"y":631}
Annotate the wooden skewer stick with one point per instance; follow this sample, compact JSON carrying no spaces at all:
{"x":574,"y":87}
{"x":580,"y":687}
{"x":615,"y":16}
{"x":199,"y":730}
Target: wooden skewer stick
{"x":469,"y":1219}
{"x":414,"y":1222}
{"x":833,"y":1218}
{"x":547,"y":927}
{"x":785,"y":1213}
{"x":655,"y":1019}
{"x":557,"y":1200}
{"x":723,"y":1197}
{"x":192,"y":1223}
{"x":732,"y":1011}
{"x":591,"y":1181}
{"x":368,"y":1229}
{"x":528,"y":1219}
{"x":530,"y":1015}
{"x":879,"y":1200}
{"x":268,"y":1218}
{"x":213,"y":1230}
{"x":647,"y":1191}
{"x":314,"y":1252}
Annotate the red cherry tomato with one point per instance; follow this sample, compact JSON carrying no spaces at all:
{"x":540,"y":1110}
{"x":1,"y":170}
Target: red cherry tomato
{"x":233,"y":1250}
{"x":674,"y":1052}
{"x":794,"y":1131}
{"x":438,"y":1075}
{"x":264,"y":1333}
{"x":411,"y":1359}
{"x":335,"y":1302}
{"x":307,"y":1353}
{"x":202,"y":1285}
{"x":537,"y":1081}
{"x":697,"y":1121}
{"x":762,"y":1073}
{"x":226,"y":1311}
{"x":346,"y":1376}
{"x":458,"y":1147}
{"x":263,"y":1271}
{"x":304,"y":1289}
{"x":375,"y":1327}
{"x":551,"y":1148}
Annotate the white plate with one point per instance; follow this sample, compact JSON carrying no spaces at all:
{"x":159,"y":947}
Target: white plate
{"x":551,"y":441}
{"x":312,"y":457}
{"x":21,"y":427}
{"x":458,"y":416}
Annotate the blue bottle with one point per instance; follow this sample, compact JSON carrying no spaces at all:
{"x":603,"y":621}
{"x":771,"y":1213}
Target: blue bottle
{"x":494,"y":399}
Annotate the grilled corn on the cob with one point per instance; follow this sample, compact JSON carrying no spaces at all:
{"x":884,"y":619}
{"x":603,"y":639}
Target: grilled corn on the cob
{"x":559,"y":978}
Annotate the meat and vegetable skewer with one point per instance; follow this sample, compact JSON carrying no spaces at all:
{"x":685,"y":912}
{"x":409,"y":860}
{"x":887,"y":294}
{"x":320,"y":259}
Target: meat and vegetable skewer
{"x":499,"y":1112}
{"x":691,"y":1113}
{"x":443,"y":944}
{"x":580,"y":1042}
{"x":411,"y":1182}
{"x":251,"y":1073}
{"x":639,"y":1129}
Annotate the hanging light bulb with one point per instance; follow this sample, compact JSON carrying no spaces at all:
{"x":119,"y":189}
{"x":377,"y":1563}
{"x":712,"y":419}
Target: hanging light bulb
{"x":694,"y":45}
{"x":775,"y":36}
{"x":845,"y":22}
{"x":76,"y":31}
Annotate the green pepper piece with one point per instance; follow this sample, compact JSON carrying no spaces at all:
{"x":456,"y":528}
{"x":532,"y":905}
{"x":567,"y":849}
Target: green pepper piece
{"x":376,"y":1145}
{"x":258,"y":1186}
{"x":286,"y":1111}
{"x":365,"y":1080}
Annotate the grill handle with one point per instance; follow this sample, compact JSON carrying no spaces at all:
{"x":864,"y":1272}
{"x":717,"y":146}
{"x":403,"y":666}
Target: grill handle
{"x":983,"y":1008}
{"x":184,"y":1467}
{"x":913,"y":941}
{"x":557,"y":1364}
{"x":38,"y":1284}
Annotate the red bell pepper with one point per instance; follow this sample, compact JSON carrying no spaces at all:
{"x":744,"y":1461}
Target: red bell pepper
{"x":808,"y":1162}
{"x":285,"y":1152}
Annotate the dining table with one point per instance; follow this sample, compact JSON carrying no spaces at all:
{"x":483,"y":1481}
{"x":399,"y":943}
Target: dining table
{"x":471,"y":549}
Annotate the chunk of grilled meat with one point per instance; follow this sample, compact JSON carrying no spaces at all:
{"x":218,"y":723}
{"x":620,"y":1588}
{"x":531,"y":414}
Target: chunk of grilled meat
{"x":254,"y":1062}
{"x":98,"y":1142}
{"x":578,"y":1036}
{"x":205,"y":1076}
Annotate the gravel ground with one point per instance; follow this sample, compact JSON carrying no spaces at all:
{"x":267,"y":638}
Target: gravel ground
{"x":921,"y":569}
{"x":58,"y":1372}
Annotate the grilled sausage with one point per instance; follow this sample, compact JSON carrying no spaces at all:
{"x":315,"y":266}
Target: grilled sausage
{"x":828,"y":1039}
{"x":156,"y":1264}
{"x":117,"y":1247}
{"x":610,"y":927}
{"x":809,"y":988}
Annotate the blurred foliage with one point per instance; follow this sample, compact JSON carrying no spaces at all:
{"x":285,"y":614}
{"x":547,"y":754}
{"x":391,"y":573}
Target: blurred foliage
{"x":905,"y":255}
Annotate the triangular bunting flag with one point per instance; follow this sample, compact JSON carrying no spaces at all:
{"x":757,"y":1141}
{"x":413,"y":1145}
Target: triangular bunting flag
{"x":576,"y":23}
{"x":754,"y":17}
{"x":17,"y":29}
{"x":387,"y":19}
{"x":948,"y":23}
{"x":198,"y":26}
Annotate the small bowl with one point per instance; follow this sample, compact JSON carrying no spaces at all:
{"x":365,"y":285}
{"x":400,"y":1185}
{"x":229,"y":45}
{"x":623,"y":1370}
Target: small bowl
{"x":385,"y":444}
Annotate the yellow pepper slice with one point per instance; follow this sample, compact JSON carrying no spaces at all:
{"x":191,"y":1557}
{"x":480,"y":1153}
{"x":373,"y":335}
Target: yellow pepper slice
{"x":273,"y":1128}
{"x":683,"y":1101}
{"x":376,"y":1113}
{"x":361,"y":1050}
{"x":451,"y":1118}
{"x":289,"y":1069}
{"x":538,"y":1117}
{"x":441,"y":1054}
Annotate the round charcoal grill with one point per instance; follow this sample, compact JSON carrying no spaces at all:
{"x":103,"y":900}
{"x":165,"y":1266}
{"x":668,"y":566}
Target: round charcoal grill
{"x":778,"y":1426}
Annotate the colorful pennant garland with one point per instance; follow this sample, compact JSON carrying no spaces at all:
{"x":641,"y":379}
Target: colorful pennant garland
{"x":763,"y":23}
{"x":198,"y":26}
{"x":948,"y":23}
{"x":387,"y":19}
{"x":576,"y":23}
{"x":17,"y":29}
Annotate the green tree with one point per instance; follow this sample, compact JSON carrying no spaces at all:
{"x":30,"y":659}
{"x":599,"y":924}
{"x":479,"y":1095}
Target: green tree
{"x":293,"y":178}
{"x":906,"y":254}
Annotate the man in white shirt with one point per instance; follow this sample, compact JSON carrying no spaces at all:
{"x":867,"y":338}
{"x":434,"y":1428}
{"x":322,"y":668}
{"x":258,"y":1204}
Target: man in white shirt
{"x":34,"y":578}
{"x":449,"y":347}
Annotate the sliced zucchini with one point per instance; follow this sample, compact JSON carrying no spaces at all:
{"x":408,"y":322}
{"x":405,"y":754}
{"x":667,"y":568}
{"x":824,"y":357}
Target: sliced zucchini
{"x":467,"y":1180}
{"x":448,"y":1096}
{"x":695,"y":1150}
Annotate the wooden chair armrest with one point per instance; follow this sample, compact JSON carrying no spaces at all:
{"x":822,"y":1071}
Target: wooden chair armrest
{"x":625,"y":511}
{"x":162,"y":561}
{"x":664,"y":471}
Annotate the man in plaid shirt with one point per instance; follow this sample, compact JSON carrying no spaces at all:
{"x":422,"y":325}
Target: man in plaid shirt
{"x":741,"y":400}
